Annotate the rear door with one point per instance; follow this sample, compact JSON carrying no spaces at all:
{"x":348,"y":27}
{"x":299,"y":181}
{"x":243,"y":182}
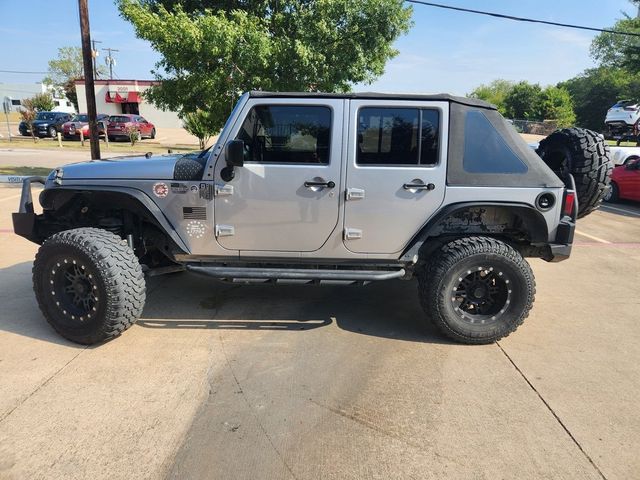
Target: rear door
{"x":285,"y":197}
{"x":395,"y":172}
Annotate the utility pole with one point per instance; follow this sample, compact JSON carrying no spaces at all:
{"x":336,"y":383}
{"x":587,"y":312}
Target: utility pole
{"x":94,"y":55}
{"x":109,"y":60}
{"x":89,"y":87}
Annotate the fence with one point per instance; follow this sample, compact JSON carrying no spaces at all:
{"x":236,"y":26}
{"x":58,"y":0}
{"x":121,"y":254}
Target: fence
{"x":536,"y":128}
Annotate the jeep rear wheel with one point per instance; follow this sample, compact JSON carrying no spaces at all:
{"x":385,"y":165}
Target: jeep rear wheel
{"x":585,"y":155}
{"x":477,"y":290}
{"x":89,"y":284}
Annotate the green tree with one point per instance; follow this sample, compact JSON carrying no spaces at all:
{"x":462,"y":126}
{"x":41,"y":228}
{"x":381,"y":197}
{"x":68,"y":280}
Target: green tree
{"x":557,"y":105}
{"x":621,"y":51}
{"x":66,"y":69}
{"x":42,"y":102}
{"x":495,"y":93}
{"x":212,"y":50}
{"x":596,"y":90}
{"x":524,"y":102}
{"x":200,"y":125}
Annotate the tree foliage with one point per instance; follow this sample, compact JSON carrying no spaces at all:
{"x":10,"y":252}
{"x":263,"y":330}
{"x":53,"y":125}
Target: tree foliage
{"x":200,"y":125}
{"x":212,"y":50}
{"x":28,"y":114}
{"x":66,"y":69}
{"x":557,"y":105}
{"x":42,"y":102}
{"x":596,"y":90}
{"x":494,"y":93}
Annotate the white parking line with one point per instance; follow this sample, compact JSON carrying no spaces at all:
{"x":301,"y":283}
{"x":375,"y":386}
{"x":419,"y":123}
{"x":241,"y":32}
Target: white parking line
{"x":597,"y":239}
{"x":619,"y":209}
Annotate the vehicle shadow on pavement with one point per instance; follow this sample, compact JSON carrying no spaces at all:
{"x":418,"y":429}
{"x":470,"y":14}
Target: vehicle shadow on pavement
{"x":20,"y":314}
{"x":385,"y":309}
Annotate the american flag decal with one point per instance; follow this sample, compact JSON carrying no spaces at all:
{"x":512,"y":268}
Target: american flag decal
{"x":194,"y":213}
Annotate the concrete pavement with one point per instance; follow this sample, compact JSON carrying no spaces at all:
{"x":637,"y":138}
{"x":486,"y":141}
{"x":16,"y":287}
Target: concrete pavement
{"x":245,"y":382}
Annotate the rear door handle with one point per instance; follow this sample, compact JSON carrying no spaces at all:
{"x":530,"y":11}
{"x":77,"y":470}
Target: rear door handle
{"x":329,"y":184}
{"x":418,"y":186}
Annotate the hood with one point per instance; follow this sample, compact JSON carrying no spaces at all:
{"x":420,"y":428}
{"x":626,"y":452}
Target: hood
{"x":128,"y":168}
{"x":43,"y":122}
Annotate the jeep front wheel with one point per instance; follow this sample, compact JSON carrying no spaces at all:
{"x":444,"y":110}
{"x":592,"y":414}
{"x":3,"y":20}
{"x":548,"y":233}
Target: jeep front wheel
{"x":89,"y":284}
{"x":477,"y":289}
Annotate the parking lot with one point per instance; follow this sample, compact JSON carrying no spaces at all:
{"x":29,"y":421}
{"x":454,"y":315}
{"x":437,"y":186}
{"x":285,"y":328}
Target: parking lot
{"x":245,"y":382}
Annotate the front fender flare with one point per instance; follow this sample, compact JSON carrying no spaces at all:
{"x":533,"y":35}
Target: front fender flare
{"x":147,"y":203}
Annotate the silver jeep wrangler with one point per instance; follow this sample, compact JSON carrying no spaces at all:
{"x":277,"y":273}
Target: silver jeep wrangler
{"x":321,"y":188}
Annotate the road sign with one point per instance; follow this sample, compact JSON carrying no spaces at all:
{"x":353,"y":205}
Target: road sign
{"x":6,"y":105}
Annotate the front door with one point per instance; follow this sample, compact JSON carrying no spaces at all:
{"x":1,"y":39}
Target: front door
{"x":286,"y":196}
{"x":396,"y":170}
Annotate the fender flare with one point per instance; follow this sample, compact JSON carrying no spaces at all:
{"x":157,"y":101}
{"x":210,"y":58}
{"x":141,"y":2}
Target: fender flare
{"x":539,"y":229}
{"x":147,"y":203}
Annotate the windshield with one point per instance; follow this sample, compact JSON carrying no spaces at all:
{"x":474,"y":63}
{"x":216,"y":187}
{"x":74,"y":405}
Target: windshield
{"x":80,"y":118}
{"x":119,"y":119}
{"x":45,"y":116}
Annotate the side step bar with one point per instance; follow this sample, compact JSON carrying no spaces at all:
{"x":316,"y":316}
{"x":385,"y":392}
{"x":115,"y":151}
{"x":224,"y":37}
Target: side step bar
{"x":297,"y":273}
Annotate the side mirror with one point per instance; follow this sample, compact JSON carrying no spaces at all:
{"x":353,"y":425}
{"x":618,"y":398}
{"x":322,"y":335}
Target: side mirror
{"x":235,"y":153}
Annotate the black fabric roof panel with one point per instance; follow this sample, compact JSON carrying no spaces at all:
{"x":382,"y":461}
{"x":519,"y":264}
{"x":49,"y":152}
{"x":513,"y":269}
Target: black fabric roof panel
{"x":445,"y":97}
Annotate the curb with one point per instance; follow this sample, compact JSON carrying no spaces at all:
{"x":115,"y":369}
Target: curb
{"x":12,"y":179}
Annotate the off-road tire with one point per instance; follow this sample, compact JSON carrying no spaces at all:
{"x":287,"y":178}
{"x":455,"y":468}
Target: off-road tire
{"x":456,"y":261}
{"x":613,"y":195}
{"x":111,"y":271}
{"x":585,"y":155}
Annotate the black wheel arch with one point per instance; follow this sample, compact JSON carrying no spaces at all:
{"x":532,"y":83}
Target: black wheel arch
{"x":58,"y":200}
{"x":520,"y":219}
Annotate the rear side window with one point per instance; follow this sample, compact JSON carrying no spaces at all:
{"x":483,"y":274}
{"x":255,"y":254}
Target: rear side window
{"x":485,"y":151}
{"x":398,"y":136}
{"x":287,"y":134}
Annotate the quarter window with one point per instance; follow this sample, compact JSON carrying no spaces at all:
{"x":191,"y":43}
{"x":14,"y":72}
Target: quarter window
{"x":287,"y":134}
{"x":398,"y":136}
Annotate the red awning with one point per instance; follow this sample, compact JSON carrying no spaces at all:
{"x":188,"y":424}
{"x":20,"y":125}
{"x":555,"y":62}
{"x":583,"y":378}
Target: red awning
{"x":129,"y":97}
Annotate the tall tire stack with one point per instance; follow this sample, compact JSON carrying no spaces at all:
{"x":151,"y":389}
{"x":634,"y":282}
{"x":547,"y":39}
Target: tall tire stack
{"x":585,"y":155}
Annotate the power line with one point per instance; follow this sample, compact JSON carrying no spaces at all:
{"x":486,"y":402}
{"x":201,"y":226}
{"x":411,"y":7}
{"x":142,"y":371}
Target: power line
{"x":521,"y":19}
{"x":16,"y":71}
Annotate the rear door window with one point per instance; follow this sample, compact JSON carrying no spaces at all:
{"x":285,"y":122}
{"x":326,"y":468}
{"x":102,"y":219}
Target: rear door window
{"x":398,"y":136}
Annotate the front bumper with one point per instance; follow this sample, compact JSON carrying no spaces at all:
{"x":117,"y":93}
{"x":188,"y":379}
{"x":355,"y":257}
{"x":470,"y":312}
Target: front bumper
{"x":24,"y":220}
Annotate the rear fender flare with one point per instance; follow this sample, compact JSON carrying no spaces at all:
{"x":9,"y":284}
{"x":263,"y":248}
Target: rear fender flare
{"x":533,"y":220}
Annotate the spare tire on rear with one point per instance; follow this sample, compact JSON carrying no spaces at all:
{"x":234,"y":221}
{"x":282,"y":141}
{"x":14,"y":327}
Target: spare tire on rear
{"x":585,"y":155}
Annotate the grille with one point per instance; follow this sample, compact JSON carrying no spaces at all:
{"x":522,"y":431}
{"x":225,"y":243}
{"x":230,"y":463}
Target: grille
{"x":194,"y":213}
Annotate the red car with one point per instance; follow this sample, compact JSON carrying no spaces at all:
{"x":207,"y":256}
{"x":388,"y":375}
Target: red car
{"x":79,"y":123}
{"x":120,"y":125}
{"x":625,"y":181}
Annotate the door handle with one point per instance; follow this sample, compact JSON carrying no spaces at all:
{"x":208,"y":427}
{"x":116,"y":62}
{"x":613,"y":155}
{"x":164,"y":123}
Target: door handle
{"x":418,"y":186}
{"x":329,"y":184}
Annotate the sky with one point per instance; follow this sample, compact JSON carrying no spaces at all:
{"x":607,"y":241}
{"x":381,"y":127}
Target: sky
{"x":444,"y":51}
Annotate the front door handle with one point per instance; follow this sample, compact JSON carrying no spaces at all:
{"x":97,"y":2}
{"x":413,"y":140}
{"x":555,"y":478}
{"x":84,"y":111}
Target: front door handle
{"x":418,"y":186}
{"x":311,"y":184}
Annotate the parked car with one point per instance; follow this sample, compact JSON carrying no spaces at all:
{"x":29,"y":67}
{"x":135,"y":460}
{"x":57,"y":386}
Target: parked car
{"x":622,"y":120}
{"x":625,"y":181}
{"x":119,"y":125}
{"x":321,"y":189}
{"x":46,"y":124}
{"x":80,"y":123}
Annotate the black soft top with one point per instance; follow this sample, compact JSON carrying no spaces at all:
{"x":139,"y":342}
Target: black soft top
{"x":444,"y":97}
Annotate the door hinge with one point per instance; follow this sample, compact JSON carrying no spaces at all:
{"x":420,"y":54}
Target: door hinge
{"x":225,"y":230}
{"x":352,"y":233}
{"x":222,"y":190}
{"x":355,"y":194}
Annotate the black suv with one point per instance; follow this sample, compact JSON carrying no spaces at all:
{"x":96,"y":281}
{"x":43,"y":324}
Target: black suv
{"x":46,"y":124}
